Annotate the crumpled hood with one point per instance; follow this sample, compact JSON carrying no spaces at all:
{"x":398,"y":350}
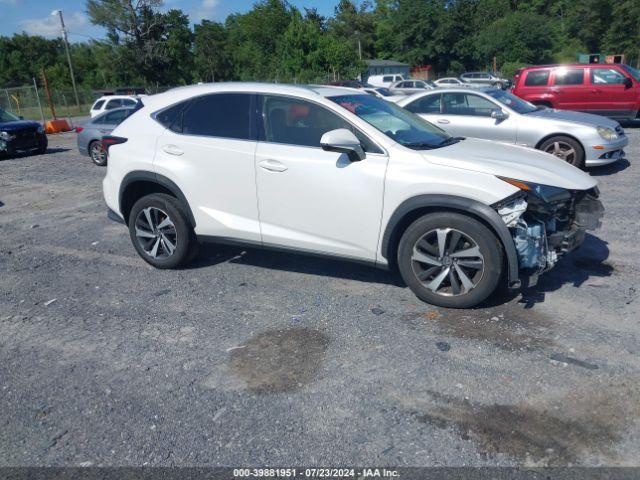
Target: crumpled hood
{"x":18,"y":125}
{"x":511,"y":161}
{"x":574,"y":117}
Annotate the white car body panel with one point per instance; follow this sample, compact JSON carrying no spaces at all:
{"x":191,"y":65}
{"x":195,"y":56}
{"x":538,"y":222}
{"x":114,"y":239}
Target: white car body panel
{"x":342,"y":203}
{"x":218,"y":177}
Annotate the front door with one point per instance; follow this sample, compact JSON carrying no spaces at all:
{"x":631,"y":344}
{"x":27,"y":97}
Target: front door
{"x":469,"y":115}
{"x":618,"y":98}
{"x":311,"y":199}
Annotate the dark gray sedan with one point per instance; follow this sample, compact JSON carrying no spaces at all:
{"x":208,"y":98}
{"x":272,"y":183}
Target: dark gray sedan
{"x":91,"y":132}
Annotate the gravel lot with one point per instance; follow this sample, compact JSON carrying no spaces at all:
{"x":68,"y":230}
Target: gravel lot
{"x":252,"y":358}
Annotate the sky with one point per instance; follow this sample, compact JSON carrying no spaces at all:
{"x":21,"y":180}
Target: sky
{"x":34,"y":16}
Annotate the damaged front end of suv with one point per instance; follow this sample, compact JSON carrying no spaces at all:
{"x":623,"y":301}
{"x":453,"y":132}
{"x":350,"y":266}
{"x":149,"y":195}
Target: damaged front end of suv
{"x":547,"y":222}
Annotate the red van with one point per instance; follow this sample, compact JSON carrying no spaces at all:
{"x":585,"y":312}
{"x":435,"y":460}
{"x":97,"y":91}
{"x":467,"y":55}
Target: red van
{"x":612,"y":90}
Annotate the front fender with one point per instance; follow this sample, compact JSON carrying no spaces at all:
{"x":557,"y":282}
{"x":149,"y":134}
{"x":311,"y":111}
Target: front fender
{"x":436,"y":202}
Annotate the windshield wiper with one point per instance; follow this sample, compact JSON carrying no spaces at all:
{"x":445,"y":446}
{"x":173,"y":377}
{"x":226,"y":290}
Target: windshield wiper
{"x":420,"y":145}
{"x":430,"y":146}
{"x":450,"y":141}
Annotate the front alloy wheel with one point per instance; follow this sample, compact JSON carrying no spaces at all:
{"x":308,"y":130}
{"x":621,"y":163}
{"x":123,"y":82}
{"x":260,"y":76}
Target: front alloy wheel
{"x":450,"y":259}
{"x":448,"y":262}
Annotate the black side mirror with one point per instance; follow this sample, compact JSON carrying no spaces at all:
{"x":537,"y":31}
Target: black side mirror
{"x":627,"y":82}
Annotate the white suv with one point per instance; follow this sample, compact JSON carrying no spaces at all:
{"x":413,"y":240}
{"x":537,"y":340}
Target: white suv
{"x":339,"y":172}
{"x":109,"y":102}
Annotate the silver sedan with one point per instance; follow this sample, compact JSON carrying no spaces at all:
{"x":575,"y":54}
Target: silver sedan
{"x":90,"y":133}
{"x":581,"y":139}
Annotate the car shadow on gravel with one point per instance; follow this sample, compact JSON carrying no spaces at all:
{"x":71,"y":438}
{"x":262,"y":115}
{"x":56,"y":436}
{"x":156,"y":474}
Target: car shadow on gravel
{"x":576,"y":268}
{"x":610,"y":169}
{"x":214,"y":254}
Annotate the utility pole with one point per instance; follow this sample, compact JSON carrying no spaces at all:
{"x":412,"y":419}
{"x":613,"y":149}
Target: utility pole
{"x":66,"y":46}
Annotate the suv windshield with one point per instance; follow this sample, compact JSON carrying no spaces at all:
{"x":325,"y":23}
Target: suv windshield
{"x":514,"y":103}
{"x":632,"y":71}
{"x":7,"y":117}
{"x":396,"y":123}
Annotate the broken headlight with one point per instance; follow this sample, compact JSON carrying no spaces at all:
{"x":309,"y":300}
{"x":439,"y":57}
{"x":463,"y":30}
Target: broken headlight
{"x":545,"y":192}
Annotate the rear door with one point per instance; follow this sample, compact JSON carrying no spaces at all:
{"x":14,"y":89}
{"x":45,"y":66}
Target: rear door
{"x":311,"y":199}
{"x":533,"y":85}
{"x":616,"y":98}
{"x":469,"y":115}
{"x":570,"y":89}
{"x":209,"y":151}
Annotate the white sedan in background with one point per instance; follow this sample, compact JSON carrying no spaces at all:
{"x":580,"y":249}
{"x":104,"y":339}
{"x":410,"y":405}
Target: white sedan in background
{"x":455,"y":82}
{"x":581,"y":139}
{"x":383,"y":93}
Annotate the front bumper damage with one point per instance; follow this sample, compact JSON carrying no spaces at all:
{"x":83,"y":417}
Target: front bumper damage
{"x":546,"y":228}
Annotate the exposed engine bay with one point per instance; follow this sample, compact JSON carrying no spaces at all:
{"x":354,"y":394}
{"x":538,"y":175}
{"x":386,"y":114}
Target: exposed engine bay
{"x":548,"y":222}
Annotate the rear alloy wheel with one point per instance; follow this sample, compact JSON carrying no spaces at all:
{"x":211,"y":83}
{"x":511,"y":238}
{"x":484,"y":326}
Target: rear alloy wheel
{"x":97,"y":153}
{"x":565,"y":148}
{"x":450,"y":260}
{"x":160,"y":231}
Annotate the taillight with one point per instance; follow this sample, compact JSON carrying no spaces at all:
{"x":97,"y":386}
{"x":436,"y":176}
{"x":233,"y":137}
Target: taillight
{"x":108,"y":141}
{"x":79,"y":129}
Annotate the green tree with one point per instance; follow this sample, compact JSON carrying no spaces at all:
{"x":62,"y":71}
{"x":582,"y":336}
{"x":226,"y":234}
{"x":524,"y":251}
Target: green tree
{"x":211,"y":57}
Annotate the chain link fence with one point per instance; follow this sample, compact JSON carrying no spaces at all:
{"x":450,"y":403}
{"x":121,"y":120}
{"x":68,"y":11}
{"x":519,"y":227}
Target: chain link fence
{"x":33,"y":103}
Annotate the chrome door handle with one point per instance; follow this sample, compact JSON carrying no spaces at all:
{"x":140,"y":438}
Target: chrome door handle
{"x":272,"y":166}
{"x":443,"y":121}
{"x":172,"y":150}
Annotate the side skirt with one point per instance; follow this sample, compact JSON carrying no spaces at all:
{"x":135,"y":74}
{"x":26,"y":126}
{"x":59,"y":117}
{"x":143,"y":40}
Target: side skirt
{"x":279,"y":248}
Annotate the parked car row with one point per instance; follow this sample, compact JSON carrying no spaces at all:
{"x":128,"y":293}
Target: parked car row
{"x":342,"y":172}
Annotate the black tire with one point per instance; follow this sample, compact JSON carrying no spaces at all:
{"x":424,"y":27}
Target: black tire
{"x":472,"y":233}
{"x":181,"y":235}
{"x":98,"y":160}
{"x":42,"y":149}
{"x":561,"y":146}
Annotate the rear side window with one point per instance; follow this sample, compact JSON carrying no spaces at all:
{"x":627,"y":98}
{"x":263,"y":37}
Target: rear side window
{"x":226,"y":115}
{"x":537,"y":78}
{"x":115,"y":118}
{"x":606,"y":76}
{"x":172,"y":117}
{"x":426,"y":104}
{"x":387,"y":79}
{"x":115,"y":103}
{"x":573,"y":76}
{"x":97,"y":105}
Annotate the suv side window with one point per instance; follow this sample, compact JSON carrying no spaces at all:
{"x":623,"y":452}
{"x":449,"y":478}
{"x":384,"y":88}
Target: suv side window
{"x":115,"y":103}
{"x":572,"y":76}
{"x":172,"y":117}
{"x":426,"y":104}
{"x":294,"y":121}
{"x":128,"y":102}
{"x":606,"y":76}
{"x":388,"y":79}
{"x":97,"y":105}
{"x":226,"y":115}
{"x":537,"y":78}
